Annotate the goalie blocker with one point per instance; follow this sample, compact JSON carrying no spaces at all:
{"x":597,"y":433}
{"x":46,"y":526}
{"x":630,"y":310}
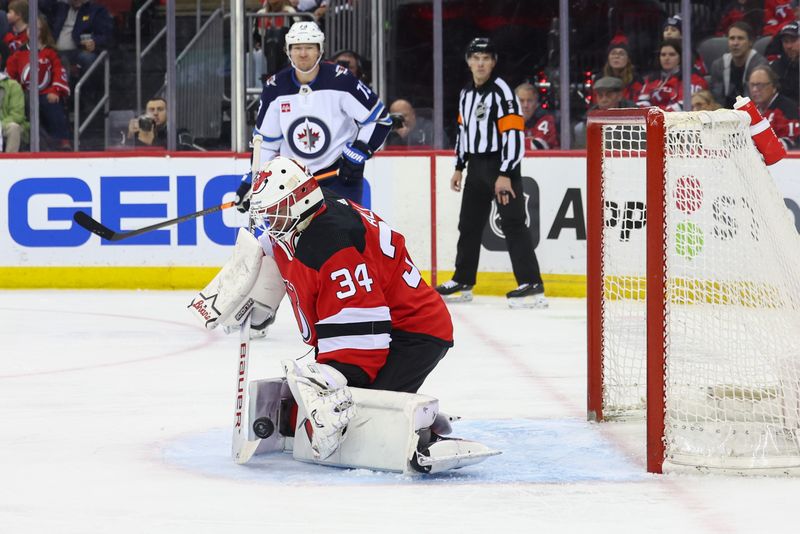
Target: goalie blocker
{"x":333,"y":424}
{"x":250,"y":280}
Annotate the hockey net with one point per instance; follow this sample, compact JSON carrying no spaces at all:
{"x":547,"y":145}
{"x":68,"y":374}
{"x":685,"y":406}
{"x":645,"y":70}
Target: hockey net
{"x":693,"y":291}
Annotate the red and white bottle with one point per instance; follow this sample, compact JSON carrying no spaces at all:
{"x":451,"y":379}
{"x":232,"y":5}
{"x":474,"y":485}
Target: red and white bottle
{"x":762,"y":133}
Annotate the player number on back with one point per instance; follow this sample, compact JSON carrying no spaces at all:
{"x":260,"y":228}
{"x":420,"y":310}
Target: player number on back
{"x":348,"y":281}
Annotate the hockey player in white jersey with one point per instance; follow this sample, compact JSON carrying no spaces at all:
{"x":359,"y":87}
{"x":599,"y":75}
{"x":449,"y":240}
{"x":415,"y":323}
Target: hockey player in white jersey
{"x":320,"y":115}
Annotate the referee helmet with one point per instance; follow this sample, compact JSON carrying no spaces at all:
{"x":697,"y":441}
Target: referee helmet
{"x":481,"y":44}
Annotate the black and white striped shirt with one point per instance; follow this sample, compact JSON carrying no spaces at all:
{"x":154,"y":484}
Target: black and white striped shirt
{"x":489,"y":120}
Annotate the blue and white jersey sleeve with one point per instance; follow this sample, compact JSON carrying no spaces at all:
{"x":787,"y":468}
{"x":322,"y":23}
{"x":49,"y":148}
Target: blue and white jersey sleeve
{"x":267,"y":123}
{"x":368,"y":111}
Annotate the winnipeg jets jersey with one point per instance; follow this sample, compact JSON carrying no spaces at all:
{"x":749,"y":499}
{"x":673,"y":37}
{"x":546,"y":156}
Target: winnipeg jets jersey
{"x":352,"y":283}
{"x":311,"y":123}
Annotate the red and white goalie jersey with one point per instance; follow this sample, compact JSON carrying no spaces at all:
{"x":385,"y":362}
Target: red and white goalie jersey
{"x":352,"y":284}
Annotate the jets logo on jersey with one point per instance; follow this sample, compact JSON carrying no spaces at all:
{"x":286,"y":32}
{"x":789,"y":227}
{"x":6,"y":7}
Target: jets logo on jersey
{"x":286,"y":107}
{"x":271,"y":81}
{"x":340,"y":70}
{"x":309,"y":137}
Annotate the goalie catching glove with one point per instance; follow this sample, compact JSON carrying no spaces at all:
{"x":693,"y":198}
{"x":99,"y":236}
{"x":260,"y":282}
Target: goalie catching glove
{"x":351,"y":164}
{"x":323,"y":394}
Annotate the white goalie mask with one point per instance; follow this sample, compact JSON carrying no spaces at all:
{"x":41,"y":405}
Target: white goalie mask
{"x":284,"y":195}
{"x":305,"y":33}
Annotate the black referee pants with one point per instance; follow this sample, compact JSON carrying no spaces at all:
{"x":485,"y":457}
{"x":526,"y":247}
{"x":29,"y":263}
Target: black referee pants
{"x":476,"y":206}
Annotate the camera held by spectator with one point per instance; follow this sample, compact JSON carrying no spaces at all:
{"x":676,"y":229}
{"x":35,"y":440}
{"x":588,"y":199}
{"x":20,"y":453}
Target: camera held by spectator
{"x":398,"y":121}
{"x":146,"y":123}
{"x":149,"y":129}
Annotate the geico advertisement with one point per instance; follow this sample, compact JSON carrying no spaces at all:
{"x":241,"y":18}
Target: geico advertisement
{"x":123,"y":194}
{"x":128,"y":193}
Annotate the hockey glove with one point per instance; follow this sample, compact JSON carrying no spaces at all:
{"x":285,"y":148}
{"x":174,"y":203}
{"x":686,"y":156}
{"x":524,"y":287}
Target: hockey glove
{"x":242,"y":198}
{"x":351,"y":165}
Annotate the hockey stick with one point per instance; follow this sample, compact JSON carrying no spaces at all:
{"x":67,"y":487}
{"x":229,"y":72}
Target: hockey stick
{"x":108,"y":234}
{"x":242,"y":448}
{"x":95,"y":227}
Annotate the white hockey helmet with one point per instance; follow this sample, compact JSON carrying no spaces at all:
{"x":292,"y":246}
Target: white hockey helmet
{"x":305,"y":33}
{"x":285,"y":194}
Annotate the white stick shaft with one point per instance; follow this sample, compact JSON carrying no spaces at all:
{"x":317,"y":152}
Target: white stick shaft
{"x":257,"y":139}
{"x":239,"y":449}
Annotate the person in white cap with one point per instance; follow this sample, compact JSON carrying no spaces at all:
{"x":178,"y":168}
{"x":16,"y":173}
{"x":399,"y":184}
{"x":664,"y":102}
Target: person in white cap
{"x":320,"y":115}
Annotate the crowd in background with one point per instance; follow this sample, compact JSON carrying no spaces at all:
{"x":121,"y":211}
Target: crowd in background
{"x":752,"y":51}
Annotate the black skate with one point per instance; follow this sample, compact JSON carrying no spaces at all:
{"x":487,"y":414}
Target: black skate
{"x":527,"y":296}
{"x":452,"y":291}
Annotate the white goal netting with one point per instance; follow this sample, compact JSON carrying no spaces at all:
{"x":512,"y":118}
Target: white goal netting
{"x":732,"y":294}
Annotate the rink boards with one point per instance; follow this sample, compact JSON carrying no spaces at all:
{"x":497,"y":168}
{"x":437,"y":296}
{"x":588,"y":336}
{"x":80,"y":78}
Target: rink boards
{"x":42,"y":247}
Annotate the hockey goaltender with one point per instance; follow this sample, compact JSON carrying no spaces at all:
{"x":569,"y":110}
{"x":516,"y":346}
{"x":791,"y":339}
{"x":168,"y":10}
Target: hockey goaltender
{"x":377,"y":328}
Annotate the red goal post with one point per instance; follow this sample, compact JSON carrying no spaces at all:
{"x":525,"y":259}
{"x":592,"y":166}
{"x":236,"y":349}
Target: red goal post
{"x":693,"y":296}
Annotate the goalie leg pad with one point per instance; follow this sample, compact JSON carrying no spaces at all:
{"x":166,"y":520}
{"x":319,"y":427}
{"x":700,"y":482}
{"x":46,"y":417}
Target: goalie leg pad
{"x":392,"y":432}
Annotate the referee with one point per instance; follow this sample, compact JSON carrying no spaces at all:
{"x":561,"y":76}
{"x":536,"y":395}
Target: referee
{"x":490,"y":140}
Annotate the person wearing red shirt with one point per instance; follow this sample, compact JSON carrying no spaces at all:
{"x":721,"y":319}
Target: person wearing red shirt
{"x":540,"y":125}
{"x":673,"y":29}
{"x":780,"y":111}
{"x":358,"y":298}
{"x":664,"y":88}
{"x":17,"y":16}
{"x":53,"y":84}
{"x":777,"y":14}
{"x":618,"y":64}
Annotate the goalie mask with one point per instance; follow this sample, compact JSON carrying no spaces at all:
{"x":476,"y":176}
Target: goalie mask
{"x":284,"y":196}
{"x":305,"y":33}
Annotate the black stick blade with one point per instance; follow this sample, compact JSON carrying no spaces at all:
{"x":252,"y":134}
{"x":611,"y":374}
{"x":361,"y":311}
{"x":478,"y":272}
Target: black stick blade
{"x":93,"y":226}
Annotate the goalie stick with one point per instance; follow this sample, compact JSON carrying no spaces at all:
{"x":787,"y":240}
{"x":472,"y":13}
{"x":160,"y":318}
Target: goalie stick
{"x":242,"y":448}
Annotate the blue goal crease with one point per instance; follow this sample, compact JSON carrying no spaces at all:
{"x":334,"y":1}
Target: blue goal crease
{"x":548,"y":451}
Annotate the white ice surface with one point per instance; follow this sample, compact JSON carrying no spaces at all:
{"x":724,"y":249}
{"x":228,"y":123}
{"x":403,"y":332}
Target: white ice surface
{"x":115,"y":415}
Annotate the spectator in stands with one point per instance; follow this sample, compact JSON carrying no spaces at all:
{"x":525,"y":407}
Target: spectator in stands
{"x":777,"y":14}
{"x":412,"y":130}
{"x":729,"y":74}
{"x":12,"y":107}
{"x":4,"y":26}
{"x":84,"y":30}
{"x":317,"y":7}
{"x":149,"y":130}
{"x":17,"y":17}
{"x":53,"y":85}
{"x":618,"y":64}
{"x":673,"y":29}
{"x":352,"y":60}
{"x":664,"y":88}
{"x":748,"y":11}
{"x":786,"y":65}
{"x":704,"y":101}
{"x":780,"y":111}
{"x":540,"y":124}
{"x":608,"y":93}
